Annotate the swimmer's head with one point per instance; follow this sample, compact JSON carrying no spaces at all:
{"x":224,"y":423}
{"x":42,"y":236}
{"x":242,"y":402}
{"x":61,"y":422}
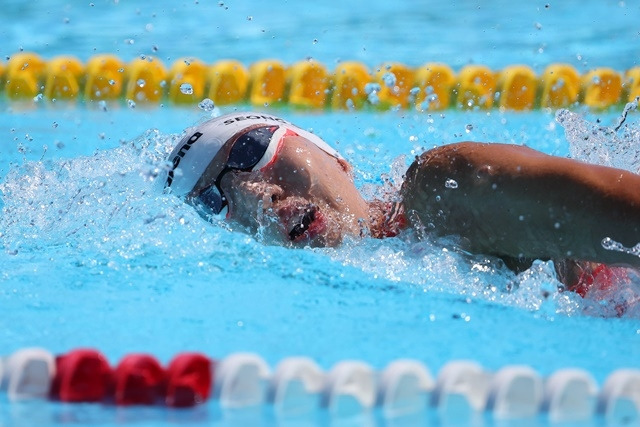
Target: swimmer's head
{"x":242,"y":141}
{"x":272,"y":176}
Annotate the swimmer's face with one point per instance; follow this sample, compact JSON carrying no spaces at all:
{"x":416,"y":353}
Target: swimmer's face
{"x":303,"y":197}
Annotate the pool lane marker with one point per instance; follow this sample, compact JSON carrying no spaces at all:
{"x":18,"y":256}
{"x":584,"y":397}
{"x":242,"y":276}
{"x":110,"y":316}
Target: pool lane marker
{"x":463,"y":390}
{"x":27,"y":78}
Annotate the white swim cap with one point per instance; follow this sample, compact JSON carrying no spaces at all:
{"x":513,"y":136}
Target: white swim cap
{"x":193,"y":154}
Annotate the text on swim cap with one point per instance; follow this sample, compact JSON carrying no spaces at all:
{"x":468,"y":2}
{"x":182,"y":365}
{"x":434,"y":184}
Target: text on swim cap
{"x":253,"y":117}
{"x":183,"y":150}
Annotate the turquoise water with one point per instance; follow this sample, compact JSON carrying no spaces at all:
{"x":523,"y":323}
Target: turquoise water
{"x":589,"y":33}
{"x":93,"y":255}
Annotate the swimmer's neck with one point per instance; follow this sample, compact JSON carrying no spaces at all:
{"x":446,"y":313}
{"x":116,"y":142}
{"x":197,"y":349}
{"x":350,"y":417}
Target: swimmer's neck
{"x":386,"y":219}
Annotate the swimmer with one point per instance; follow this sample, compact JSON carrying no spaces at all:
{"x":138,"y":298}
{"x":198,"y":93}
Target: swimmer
{"x":503,"y":200}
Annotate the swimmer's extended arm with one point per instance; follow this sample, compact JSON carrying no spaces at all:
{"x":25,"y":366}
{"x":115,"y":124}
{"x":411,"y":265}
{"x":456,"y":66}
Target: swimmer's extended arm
{"x":513,"y":201}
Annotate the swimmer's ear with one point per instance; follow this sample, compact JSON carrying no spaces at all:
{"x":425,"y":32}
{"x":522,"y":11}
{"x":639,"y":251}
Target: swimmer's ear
{"x":345,"y":166}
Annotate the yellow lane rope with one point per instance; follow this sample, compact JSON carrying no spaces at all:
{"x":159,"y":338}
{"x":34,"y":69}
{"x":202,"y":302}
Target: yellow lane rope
{"x":309,"y":84}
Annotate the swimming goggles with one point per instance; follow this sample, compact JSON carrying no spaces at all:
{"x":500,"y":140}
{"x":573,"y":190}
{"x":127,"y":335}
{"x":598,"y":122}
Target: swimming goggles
{"x":246,"y":152}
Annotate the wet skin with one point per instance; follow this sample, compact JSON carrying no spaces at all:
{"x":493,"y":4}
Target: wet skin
{"x":303,"y":197}
{"x":509,"y":201}
{"x":517,"y":202}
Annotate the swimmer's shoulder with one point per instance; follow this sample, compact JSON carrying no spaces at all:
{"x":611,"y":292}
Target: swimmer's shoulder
{"x":482,"y":151}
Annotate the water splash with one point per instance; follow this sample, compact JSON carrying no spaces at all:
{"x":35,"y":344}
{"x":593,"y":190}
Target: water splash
{"x":616,"y":146}
{"x":103,"y":209}
{"x":104,"y":212}
{"x":434,"y":265}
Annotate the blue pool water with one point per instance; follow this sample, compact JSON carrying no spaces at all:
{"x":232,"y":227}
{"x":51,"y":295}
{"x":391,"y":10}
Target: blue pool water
{"x":93,"y":255}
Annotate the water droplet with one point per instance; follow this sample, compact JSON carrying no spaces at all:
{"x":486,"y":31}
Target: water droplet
{"x":372,"y":89}
{"x":131,"y":103}
{"x":610,"y":244}
{"x":349,"y":103}
{"x":206,"y":105}
{"x":186,"y":88}
{"x":451,"y":183}
{"x":468,"y":128}
{"x":38,"y":97}
{"x":141,"y":82}
{"x":389,"y":79}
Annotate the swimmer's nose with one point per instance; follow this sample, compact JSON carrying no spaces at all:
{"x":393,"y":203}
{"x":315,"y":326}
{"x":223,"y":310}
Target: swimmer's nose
{"x":249,"y":189}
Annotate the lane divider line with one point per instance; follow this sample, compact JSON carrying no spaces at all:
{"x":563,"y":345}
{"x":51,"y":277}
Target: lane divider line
{"x":308,"y":84}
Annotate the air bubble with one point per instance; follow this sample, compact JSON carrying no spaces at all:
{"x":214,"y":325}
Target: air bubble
{"x":451,"y":183}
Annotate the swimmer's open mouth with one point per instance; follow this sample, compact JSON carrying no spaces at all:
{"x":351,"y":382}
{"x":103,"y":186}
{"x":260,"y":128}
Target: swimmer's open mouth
{"x":305,"y":224}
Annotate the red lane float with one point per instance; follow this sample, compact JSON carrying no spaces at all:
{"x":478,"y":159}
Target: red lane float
{"x":84,"y":375}
{"x":138,"y":380}
{"x":189,"y":379}
{"x":81,"y":375}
